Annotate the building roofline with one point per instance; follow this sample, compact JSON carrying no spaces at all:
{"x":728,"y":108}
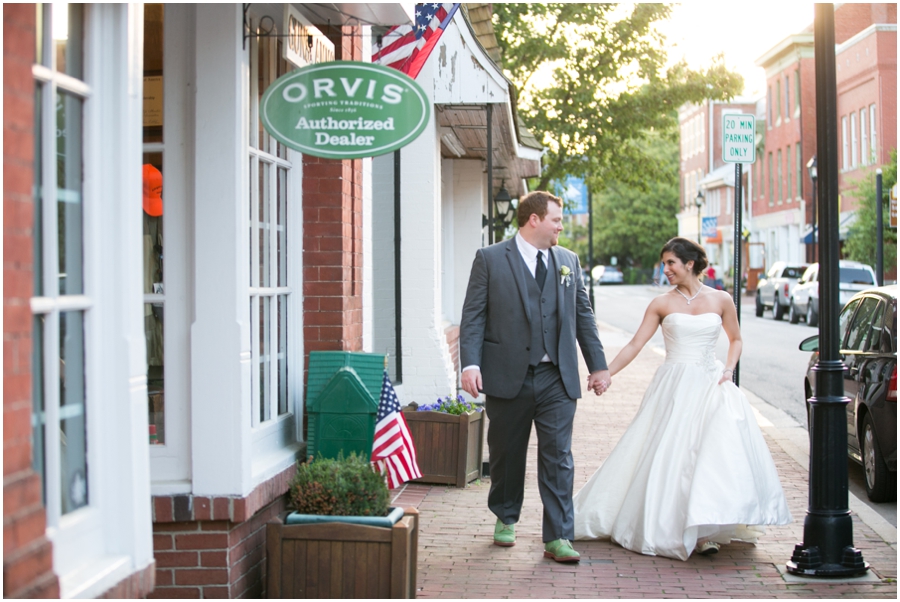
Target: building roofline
{"x":868,"y":31}
{"x":795,"y":39}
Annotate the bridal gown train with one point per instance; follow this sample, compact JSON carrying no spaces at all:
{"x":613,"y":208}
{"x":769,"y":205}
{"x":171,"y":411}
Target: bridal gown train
{"x":692,"y":465}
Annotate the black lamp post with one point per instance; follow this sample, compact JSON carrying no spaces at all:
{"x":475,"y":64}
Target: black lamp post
{"x":699,"y":202}
{"x":827,"y":549}
{"x":813,"y":175}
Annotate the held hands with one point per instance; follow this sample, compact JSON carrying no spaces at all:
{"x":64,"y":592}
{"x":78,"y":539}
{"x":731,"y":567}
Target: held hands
{"x":471,"y":382}
{"x":599,"y":382}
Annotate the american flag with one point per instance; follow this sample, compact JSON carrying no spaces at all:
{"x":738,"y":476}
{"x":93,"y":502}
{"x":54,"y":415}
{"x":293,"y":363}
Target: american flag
{"x":393,"y":451}
{"x":406,"y":47}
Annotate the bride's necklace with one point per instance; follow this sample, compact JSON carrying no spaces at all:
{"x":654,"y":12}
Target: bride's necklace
{"x":689,"y":299}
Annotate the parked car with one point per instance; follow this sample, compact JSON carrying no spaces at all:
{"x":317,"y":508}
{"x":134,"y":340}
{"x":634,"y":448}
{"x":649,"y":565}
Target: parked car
{"x":804,"y":300}
{"x":868,"y":347}
{"x":774,"y":291}
{"x":608,"y":274}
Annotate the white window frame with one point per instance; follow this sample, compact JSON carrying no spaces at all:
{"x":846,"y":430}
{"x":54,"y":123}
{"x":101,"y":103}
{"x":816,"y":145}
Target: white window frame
{"x":100,"y":544}
{"x":863,"y":137}
{"x":787,"y":98}
{"x":873,"y":138}
{"x":281,"y":432}
{"x":171,"y":461}
{"x":789,"y":172}
{"x":845,"y":145}
{"x":854,"y":146}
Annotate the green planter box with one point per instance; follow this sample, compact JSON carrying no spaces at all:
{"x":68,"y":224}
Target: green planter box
{"x":449,"y":448}
{"x":342,"y":560}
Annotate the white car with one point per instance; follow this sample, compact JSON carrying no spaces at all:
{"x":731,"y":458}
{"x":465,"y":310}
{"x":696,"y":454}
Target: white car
{"x":607,"y":274}
{"x":854,"y":277}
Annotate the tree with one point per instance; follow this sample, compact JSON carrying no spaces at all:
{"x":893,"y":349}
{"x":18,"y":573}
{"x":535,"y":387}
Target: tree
{"x":592,"y":83}
{"x":632,"y":223}
{"x":861,"y":239}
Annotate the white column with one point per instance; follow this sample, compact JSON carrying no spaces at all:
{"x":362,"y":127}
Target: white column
{"x":220,"y":339}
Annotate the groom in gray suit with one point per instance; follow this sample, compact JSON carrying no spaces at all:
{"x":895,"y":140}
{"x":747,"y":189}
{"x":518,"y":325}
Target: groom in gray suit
{"x":525,"y":307}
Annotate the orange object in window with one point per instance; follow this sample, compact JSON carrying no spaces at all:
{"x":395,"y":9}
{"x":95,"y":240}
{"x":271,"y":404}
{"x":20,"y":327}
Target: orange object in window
{"x":153,"y":204}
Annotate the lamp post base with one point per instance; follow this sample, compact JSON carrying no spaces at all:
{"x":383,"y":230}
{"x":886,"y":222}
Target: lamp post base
{"x":808,"y":563}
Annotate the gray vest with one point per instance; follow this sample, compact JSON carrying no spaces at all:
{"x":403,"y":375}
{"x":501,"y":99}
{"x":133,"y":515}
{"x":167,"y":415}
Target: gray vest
{"x":544,"y":323}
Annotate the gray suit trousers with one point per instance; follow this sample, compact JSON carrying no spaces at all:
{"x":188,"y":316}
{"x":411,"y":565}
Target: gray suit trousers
{"x":542,"y":401}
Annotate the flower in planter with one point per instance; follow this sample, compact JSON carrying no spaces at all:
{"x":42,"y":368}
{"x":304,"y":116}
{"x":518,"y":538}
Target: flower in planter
{"x":450,"y":405}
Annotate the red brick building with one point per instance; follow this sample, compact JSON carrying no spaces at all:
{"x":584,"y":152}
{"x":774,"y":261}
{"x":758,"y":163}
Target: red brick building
{"x":866,"y":57}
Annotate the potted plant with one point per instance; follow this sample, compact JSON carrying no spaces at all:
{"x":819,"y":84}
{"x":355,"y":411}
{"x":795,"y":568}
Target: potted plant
{"x":449,"y":438}
{"x":342,"y":540}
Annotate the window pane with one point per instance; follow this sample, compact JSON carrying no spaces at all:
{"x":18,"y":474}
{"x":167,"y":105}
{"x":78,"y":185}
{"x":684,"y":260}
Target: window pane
{"x":72,"y":424}
{"x":282,"y":227}
{"x":152,"y":216}
{"x":265,"y":170}
{"x":153,"y":73}
{"x":790,"y":173}
{"x":156,"y":386}
{"x":38,"y":416}
{"x":863,"y":138}
{"x":263,"y":81}
{"x":39,"y":35}
{"x":265,"y":364}
{"x":862,"y":324}
{"x":799,"y":156}
{"x":780,"y":178}
{"x":68,"y":33}
{"x":38,"y":263}
{"x":282,"y":354}
{"x":873,"y":141}
{"x":69,"y":170}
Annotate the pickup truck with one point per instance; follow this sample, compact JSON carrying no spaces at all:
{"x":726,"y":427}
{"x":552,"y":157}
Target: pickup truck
{"x":774,"y":291}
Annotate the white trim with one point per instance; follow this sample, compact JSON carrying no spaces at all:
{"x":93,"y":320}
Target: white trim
{"x":170,"y":462}
{"x":868,"y":31}
{"x":220,"y":333}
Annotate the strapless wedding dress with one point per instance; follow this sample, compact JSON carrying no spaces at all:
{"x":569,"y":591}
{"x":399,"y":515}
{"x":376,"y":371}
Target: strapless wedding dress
{"x":692,"y":465}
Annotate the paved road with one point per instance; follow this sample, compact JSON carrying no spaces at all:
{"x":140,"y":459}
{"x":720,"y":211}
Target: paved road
{"x":772,"y":366}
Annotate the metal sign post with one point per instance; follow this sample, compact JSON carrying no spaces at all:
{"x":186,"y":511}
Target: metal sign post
{"x":738,"y":147}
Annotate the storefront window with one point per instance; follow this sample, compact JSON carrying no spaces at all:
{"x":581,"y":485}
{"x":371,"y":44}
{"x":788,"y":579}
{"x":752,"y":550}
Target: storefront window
{"x":153,"y":223}
{"x":59,"y":419}
{"x":270,"y":291}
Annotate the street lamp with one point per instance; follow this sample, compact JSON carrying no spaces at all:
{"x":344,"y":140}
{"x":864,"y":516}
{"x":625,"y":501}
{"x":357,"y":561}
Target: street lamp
{"x":699,"y":202}
{"x":813,"y":175}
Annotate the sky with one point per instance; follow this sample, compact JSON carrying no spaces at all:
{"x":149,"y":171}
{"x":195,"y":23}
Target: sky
{"x":744,"y":31}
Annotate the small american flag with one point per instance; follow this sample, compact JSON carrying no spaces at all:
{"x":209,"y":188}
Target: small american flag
{"x":406,"y":47}
{"x":393,"y":451}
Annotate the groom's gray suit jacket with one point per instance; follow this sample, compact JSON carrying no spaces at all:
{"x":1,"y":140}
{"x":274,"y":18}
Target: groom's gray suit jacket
{"x":497,"y":319}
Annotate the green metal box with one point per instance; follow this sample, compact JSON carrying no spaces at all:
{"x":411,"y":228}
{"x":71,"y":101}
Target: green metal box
{"x":342,"y":395}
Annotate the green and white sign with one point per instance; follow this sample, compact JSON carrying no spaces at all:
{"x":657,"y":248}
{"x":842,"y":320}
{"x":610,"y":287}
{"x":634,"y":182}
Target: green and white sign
{"x":345,"y":110}
{"x":738,"y":138}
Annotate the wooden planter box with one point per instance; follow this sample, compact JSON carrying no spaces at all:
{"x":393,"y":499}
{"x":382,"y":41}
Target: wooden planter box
{"x":449,"y":448}
{"x":342,"y":560}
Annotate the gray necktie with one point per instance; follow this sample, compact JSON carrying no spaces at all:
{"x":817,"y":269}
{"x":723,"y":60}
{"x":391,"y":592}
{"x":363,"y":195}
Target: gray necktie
{"x":540,"y":273}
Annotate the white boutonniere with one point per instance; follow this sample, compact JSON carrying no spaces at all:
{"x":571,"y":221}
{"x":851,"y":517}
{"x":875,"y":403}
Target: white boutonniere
{"x":565,"y":275}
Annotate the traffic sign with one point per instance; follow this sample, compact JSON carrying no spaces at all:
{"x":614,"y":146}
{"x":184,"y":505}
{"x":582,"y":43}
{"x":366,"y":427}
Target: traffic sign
{"x":738,"y":138}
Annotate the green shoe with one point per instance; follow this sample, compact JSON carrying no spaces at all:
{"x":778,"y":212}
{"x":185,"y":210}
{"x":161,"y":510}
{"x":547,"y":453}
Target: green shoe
{"x":561,"y":550}
{"x":504,"y":535}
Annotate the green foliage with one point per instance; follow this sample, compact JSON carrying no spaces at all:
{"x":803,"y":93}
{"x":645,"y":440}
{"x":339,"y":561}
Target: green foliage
{"x":339,"y":487}
{"x":609,"y":88}
{"x":861,"y":239}
{"x":633,"y":223}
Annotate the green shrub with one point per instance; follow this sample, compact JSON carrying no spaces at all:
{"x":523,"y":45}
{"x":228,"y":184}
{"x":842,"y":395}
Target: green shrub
{"x":339,"y":487}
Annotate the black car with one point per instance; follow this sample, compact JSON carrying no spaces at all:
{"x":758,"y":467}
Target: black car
{"x":868,"y":331}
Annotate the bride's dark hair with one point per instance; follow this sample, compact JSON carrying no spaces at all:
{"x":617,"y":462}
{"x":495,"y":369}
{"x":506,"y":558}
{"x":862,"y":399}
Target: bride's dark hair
{"x":687,"y":250}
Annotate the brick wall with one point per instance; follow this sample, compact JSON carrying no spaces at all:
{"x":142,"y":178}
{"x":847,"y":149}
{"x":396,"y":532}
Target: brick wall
{"x":215,"y":547}
{"x":332,"y":239}
{"x":27,"y":554}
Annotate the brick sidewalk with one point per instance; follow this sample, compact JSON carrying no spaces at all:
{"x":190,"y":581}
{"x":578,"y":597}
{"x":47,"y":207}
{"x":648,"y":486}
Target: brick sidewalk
{"x":458,"y":560}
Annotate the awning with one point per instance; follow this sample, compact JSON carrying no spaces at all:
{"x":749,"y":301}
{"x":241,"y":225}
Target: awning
{"x":847,"y":220}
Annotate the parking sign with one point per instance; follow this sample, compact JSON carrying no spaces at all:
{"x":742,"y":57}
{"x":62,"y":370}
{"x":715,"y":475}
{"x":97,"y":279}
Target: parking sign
{"x":738,"y":138}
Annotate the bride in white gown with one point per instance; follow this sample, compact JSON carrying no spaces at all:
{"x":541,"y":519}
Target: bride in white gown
{"x":692,"y":471}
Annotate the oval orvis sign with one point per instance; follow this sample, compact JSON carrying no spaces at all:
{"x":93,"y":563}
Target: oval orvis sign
{"x":345,"y":110}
